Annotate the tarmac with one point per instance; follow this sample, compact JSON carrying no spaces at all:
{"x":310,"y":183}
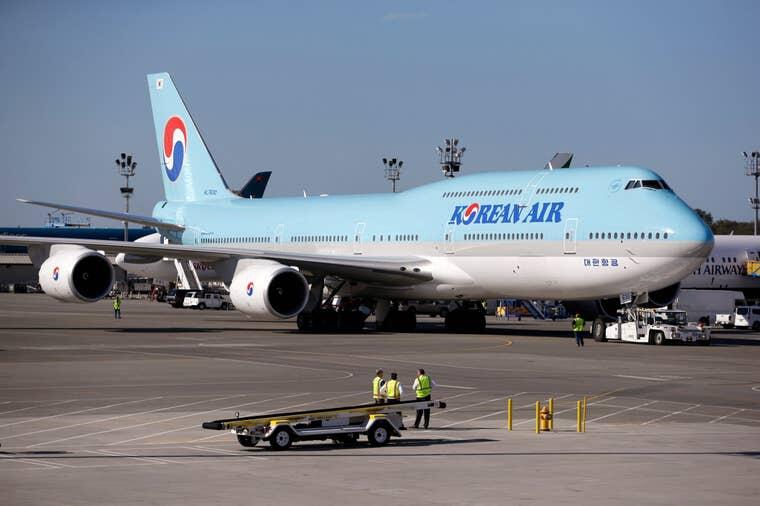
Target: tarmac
{"x":101,"y":411}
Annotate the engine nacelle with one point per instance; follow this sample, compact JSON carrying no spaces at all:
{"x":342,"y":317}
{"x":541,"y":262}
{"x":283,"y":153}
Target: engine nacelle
{"x":662,"y":297}
{"x":76,"y":274}
{"x":268,"y":290}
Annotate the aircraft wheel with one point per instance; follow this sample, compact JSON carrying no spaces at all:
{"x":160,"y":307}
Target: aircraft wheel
{"x":597,"y":330}
{"x":281,"y":438}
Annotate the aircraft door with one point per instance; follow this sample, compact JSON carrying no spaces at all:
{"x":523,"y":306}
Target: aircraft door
{"x":448,"y":240}
{"x":278,"y":233}
{"x":358,"y":233}
{"x":571,"y":230}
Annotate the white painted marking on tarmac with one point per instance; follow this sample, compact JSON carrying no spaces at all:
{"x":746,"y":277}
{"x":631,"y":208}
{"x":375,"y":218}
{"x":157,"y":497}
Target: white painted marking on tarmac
{"x":225,"y":452}
{"x":37,"y":407}
{"x":134,"y":414}
{"x":44,"y":464}
{"x":34,"y":420}
{"x":79,"y":424}
{"x":457,"y":387}
{"x":621,"y":411}
{"x":726,"y":416}
{"x":756,"y":388}
{"x":135,"y":457}
{"x":155,"y":434}
{"x":672,"y":414}
{"x":644,"y":378}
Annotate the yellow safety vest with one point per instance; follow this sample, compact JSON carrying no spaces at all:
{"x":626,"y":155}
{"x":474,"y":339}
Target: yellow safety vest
{"x":116,"y":304}
{"x":392,"y":390}
{"x":376,"y":385}
{"x":423,"y":386}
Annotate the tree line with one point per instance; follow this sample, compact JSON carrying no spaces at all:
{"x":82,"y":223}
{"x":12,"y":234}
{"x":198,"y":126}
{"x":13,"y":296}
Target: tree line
{"x":726,"y":227}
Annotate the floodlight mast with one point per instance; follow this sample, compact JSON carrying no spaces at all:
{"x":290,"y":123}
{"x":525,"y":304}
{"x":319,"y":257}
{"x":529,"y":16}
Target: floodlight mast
{"x":392,"y":171}
{"x":752,"y":168}
{"x":450,"y":157}
{"x":126,"y":165}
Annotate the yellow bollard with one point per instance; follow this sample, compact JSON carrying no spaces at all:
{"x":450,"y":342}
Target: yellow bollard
{"x":551,"y":413}
{"x":538,"y":417}
{"x":578,"y":416}
{"x":509,"y":414}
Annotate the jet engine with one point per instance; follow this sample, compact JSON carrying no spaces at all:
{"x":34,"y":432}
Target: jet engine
{"x":663,"y":296}
{"x":76,"y":274}
{"x":268,"y":290}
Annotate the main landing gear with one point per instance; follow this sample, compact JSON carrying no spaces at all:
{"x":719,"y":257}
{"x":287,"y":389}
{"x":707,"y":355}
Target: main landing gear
{"x":469,"y":317}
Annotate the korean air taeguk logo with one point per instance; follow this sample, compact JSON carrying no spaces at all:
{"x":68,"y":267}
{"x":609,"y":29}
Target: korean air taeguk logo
{"x":175,"y":146}
{"x":249,"y":289}
{"x":56,"y":273}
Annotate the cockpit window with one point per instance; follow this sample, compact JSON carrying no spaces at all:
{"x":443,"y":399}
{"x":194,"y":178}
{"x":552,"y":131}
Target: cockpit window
{"x":652,"y":184}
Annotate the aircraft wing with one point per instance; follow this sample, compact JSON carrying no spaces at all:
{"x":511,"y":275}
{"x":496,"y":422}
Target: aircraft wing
{"x":390,"y":270}
{"x":131,"y":218}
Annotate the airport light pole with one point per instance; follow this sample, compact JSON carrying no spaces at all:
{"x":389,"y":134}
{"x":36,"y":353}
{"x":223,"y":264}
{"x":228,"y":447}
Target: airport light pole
{"x":392,"y":170}
{"x":752,"y":168}
{"x":450,"y":157}
{"x":126,"y":165}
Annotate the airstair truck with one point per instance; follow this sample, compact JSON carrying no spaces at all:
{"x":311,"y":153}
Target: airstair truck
{"x":656,"y":327}
{"x":344,"y":425}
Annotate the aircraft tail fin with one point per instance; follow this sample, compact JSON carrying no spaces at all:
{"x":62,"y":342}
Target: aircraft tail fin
{"x":188,"y":170}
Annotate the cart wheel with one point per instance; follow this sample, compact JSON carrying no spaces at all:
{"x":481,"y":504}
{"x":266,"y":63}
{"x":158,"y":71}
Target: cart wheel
{"x":659,"y":338}
{"x":247,"y":441}
{"x":379,"y":434}
{"x":281,"y":439}
{"x":202,"y":306}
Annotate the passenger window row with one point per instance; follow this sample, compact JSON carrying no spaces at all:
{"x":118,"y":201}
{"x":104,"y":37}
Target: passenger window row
{"x":235,"y":240}
{"x":504,"y":236}
{"x":319,"y":238}
{"x":481,"y":193}
{"x":397,"y":237}
{"x":543,"y":191}
{"x":627,"y":235}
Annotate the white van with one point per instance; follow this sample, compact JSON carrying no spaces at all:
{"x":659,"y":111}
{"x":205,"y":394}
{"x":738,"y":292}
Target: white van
{"x":203,"y":300}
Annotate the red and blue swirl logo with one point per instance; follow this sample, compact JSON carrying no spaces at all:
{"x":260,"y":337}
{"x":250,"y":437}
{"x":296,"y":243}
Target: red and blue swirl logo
{"x":175,"y":146}
{"x":56,"y":273}
{"x":249,"y":289}
{"x":470,"y":213}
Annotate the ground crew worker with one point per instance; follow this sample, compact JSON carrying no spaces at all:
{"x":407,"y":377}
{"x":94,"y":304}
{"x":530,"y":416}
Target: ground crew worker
{"x":578,"y":324}
{"x":117,"y":308}
{"x":377,"y":384}
{"x":423,"y":387}
{"x":393,"y":392}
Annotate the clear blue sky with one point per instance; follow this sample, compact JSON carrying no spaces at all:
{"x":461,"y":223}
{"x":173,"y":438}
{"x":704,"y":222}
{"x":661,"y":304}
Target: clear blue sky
{"x":318,"y":92}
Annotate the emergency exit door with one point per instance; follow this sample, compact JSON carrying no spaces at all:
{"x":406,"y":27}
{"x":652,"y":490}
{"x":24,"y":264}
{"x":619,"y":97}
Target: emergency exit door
{"x":358,"y":233}
{"x":571,"y":231}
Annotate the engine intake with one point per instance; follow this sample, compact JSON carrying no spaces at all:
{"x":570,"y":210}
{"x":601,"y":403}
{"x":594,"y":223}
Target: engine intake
{"x":76,"y":274}
{"x":268,"y":290}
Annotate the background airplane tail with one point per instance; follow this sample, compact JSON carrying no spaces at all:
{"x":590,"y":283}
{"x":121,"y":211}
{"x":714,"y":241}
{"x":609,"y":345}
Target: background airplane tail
{"x":187,"y":168}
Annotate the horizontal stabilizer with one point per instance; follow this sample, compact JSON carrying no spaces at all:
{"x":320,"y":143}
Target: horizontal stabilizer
{"x":131,"y":218}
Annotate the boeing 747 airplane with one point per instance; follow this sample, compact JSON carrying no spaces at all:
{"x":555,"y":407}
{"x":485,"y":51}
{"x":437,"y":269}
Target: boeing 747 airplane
{"x":585,"y":234}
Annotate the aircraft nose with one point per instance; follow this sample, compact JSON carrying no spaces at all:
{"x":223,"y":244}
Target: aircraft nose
{"x":693,"y":233}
